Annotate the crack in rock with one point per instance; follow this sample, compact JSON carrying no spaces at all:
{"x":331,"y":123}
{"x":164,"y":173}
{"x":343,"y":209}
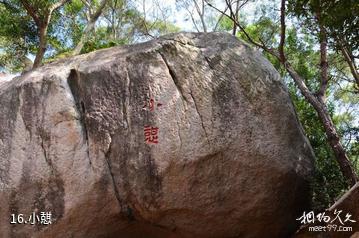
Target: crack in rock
{"x":73,"y":82}
{"x":175,"y":79}
{"x":107,"y":159}
{"x":45,"y":153}
{"x":200,"y":117}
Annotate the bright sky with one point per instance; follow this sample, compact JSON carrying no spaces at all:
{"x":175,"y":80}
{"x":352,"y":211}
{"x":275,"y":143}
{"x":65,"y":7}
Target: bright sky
{"x":181,"y":18}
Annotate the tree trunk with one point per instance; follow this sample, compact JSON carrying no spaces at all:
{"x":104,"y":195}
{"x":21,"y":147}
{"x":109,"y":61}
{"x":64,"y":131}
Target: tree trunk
{"x":329,"y":128}
{"x":323,"y":59}
{"x":89,"y":27}
{"x":204,"y":26}
{"x":235,"y":16}
{"x":42,"y":23}
{"x":338,"y":149}
{"x":351,"y":63}
{"x":200,"y":12}
{"x":42,"y":46}
{"x":316,"y":101}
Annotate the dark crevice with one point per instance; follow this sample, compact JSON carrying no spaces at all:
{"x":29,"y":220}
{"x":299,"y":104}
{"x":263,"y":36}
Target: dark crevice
{"x":129,"y":214}
{"x":209,"y":63}
{"x":84,"y":129}
{"x":45,"y":89}
{"x":107,"y":158}
{"x":44,"y":151}
{"x":73,"y":82}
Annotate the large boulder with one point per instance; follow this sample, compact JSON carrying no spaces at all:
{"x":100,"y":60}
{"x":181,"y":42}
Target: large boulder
{"x":231,"y":159}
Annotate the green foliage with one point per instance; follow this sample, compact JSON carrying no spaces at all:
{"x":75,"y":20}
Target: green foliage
{"x":264,"y":30}
{"x":225,"y":24}
{"x":120,"y":23}
{"x":301,"y":47}
{"x":99,"y":40}
{"x":339,"y":17}
{"x":161,"y":27}
{"x":18,"y":36}
{"x":327,"y":182}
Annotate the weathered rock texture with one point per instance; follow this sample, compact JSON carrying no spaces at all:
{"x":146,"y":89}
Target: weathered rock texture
{"x":232,"y":160}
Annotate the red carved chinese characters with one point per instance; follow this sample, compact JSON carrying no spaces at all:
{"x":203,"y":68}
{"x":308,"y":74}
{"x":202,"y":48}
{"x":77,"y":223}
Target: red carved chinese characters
{"x":151,"y":134}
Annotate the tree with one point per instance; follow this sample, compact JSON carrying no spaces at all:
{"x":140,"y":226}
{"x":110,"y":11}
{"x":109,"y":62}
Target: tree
{"x":341,"y":22}
{"x":39,"y":27}
{"x":93,"y":13}
{"x":121,"y":23}
{"x":41,"y":12}
{"x":318,"y":11}
{"x":316,"y":99}
{"x":116,"y":15}
{"x":18,"y":35}
{"x":328,"y":183}
{"x":195,"y":7}
{"x":234,"y":7}
{"x":203,"y":18}
{"x":154,"y":20}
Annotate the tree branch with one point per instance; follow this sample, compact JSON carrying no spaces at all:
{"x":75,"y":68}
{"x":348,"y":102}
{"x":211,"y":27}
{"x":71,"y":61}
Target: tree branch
{"x":200,"y":14}
{"x":219,"y":19}
{"x":317,"y":103}
{"x":89,"y":27}
{"x":282,"y":32}
{"x":193,"y":20}
{"x":32,"y":12}
{"x":350,"y":62}
{"x":56,"y":5}
{"x":243,"y":30}
{"x":99,"y":10}
{"x":323,"y":58}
